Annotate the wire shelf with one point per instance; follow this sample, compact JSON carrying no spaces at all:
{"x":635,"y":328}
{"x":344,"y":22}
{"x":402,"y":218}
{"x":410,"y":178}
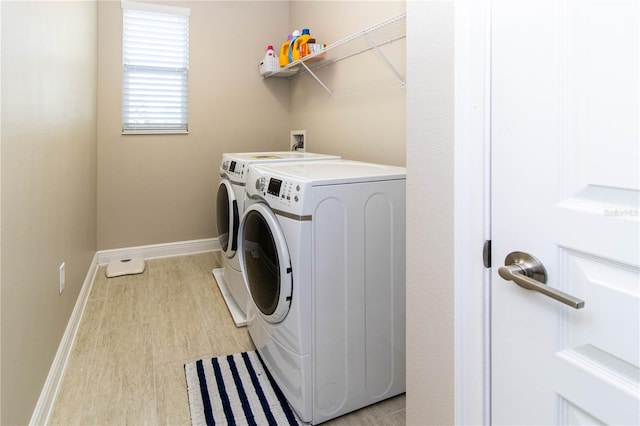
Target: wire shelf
{"x":372,"y":38}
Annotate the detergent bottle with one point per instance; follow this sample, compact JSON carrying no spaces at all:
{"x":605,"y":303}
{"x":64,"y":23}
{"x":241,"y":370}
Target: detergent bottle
{"x":308,"y":48}
{"x":294,"y":36}
{"x":284,"y":52}
{"x":270,"y":62}
{"x":300,"y":44}
{"x":270,"y":53}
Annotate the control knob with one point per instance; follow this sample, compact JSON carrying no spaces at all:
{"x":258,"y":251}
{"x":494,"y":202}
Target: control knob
{"x":260,"y":182}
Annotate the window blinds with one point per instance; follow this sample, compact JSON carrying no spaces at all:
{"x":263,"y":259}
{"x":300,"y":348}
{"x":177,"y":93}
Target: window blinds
{"x":155,"y":68}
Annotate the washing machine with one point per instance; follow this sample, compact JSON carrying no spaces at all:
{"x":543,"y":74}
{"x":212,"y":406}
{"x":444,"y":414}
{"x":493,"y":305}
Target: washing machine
{"x":230,"y":206}
{"x":322,"y":250}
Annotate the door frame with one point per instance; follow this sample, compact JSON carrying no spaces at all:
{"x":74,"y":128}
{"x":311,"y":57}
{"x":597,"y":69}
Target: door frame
{"x":472,"y":210}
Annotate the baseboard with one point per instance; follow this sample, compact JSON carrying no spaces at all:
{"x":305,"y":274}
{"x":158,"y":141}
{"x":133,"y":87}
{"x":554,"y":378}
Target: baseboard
{"x":156,"y":251}
{"x":43,"y":409}
{"x":49,"y":392}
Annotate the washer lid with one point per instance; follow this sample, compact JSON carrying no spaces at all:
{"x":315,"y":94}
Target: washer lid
{"x":235,"y":165}
{"x":252,"y":157}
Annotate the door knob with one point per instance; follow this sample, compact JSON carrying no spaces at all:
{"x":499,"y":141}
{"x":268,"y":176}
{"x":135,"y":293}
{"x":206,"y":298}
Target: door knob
{"x":527,"y":271}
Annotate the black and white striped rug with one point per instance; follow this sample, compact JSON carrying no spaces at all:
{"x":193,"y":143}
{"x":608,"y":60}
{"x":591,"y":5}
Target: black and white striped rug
{"x":236,"y":390}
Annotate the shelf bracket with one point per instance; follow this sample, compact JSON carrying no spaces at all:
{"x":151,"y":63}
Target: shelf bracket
{"x":317,"y":79}
{"x":384,"y":58}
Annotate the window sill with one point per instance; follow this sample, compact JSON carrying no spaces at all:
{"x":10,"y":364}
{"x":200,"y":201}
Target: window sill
{"x":155,"y":132}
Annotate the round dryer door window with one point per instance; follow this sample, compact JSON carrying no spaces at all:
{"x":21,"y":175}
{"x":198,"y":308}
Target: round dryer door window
{"x":227,"y":218}
{"x":265,"y":262}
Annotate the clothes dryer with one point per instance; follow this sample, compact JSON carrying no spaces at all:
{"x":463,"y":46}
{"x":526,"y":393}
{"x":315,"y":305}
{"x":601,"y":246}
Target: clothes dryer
{"x":322,"y":251}
{"x":230,"y":207}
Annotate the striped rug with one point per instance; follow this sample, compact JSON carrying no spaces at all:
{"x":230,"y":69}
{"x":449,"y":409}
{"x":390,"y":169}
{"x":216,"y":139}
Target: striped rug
{"x":235,"y":390}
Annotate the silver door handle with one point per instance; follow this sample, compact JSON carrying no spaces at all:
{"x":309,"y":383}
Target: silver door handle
{"x":527,"y":271}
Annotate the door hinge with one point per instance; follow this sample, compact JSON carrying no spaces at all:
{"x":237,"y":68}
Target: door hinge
{"x":486,"y":254}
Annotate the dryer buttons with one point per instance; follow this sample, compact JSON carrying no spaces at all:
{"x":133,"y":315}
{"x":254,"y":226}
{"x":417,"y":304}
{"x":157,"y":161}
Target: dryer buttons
{"x":286,"y":194}
{"x":283,"y":192}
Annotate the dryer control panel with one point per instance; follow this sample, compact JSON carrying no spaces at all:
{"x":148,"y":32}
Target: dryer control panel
{"x":280,"y":193}
{"x":283,"y":190}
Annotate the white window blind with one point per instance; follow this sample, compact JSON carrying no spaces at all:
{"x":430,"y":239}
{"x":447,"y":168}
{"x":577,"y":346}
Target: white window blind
{"x":155,"y":68}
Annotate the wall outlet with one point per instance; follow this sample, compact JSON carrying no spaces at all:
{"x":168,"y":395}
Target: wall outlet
{"x":298,"y":140}
{"x":61,"y":278}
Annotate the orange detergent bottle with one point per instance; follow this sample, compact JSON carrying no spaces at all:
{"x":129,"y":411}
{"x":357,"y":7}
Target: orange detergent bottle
{"x":300,"y":44}
{"x":283,"y":57}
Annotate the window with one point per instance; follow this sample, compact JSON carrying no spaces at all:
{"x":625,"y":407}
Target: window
{"x":155,"y":61}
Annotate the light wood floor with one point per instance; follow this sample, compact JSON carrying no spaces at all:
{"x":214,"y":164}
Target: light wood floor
{"x":136,"y":334}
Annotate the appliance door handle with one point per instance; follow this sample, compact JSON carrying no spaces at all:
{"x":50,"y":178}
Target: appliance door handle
{"x":527,"y":271}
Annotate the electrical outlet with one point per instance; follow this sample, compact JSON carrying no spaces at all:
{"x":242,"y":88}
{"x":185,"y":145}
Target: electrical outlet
{"x":298,"y":140}
{"x":61,"y":278}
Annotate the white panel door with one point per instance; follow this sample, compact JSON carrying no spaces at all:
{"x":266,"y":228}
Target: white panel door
{"x":565,"y":189}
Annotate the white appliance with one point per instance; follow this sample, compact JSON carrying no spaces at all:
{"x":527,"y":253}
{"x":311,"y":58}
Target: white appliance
{"x":322,"y":250}
{"x":230,"y":206}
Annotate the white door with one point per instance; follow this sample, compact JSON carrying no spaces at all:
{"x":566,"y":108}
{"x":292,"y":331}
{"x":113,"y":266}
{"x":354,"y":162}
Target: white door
{"x":565,"y":189}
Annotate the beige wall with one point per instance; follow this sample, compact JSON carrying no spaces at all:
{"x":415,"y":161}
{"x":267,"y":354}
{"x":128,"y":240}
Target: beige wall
{"x":365,"y":119}
{"x":430,"y":302}
{"x":48,"y":185}
{"x":160,"y":189}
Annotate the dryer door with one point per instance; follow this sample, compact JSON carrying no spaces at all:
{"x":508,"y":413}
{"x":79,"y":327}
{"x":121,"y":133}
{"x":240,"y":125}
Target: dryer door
{"x":265,"y":262}
{"x":228,"y":218}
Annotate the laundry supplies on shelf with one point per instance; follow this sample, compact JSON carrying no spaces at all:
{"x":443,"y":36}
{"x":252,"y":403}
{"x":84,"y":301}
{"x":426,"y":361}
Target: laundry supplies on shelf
{"x":294,"y":37}
{"x":270,"y":62}
{"x":284,"y":52}
{"x":320,"y":55}
{"x":299,"y":44}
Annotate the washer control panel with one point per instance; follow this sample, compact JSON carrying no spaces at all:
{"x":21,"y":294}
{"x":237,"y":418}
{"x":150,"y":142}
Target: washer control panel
{"x":234,"y":169}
